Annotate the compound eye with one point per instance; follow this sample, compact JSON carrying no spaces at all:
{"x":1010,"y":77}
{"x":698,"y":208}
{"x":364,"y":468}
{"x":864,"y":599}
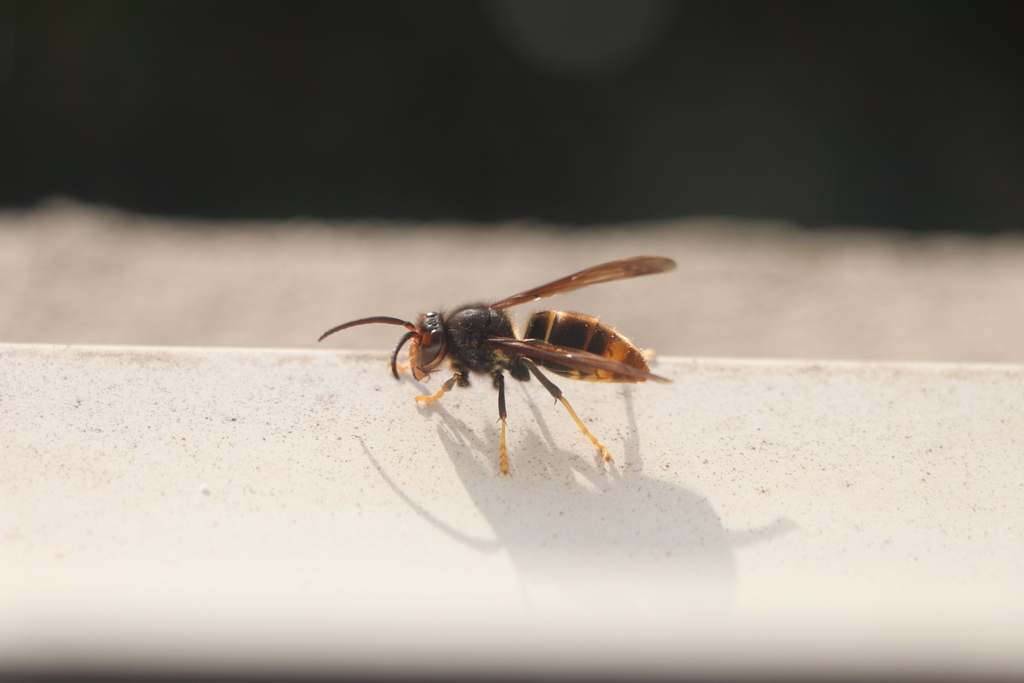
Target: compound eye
{"x":432,"y":352}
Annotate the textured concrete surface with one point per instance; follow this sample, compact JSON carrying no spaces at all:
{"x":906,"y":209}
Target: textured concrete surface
{"x":244,"y":510}
{"x":78,"y":274}
{"x":293,"y":508}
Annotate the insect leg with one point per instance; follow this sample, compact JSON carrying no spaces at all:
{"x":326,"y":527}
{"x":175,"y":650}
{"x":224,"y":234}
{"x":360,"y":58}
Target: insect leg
{"x":445,"y":388}
{"x":499,"y":384}
{"x":557,"y":393}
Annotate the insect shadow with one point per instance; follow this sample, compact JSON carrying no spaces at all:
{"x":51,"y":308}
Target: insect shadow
{"x":652,"y":541}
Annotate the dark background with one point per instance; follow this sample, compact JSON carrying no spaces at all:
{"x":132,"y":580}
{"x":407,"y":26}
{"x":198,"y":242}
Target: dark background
{"x":900,"y":114}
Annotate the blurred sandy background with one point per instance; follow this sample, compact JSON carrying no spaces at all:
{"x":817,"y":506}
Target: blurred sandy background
{"x":615,"y":117}
{"x":74,"y":273}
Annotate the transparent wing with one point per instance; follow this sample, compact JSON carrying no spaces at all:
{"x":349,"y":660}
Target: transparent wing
{"x":574,"y":358}
{"x":606,"y":272}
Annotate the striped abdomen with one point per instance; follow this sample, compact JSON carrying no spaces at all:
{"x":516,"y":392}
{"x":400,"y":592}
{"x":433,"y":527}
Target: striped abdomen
{"x":577,"y":331}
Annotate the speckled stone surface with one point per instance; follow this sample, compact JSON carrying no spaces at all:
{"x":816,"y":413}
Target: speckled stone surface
{"x":196,"y":510}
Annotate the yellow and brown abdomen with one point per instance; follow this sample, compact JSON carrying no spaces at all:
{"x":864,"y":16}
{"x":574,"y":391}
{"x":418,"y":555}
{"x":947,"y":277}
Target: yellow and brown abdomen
{"x":583,"y":332}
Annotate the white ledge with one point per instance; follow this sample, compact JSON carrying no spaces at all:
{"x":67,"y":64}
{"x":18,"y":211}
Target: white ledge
{"x":195,"y":510}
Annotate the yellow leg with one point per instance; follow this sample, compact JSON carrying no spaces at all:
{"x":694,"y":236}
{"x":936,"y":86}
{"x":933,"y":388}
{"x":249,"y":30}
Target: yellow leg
{"x":586,"y":432}
{"x":502,"y":453}
{"x":445,"y":388}
{"x":402,"y":367}
{"x":557,"y":394}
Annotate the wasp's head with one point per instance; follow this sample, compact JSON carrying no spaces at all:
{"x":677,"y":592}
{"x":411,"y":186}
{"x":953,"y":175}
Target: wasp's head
{"x":428,"y":347}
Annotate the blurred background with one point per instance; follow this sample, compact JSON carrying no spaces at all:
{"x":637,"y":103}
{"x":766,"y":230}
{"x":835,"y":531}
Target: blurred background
{"x":835,"y":179}
{"x":905,"y":114}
